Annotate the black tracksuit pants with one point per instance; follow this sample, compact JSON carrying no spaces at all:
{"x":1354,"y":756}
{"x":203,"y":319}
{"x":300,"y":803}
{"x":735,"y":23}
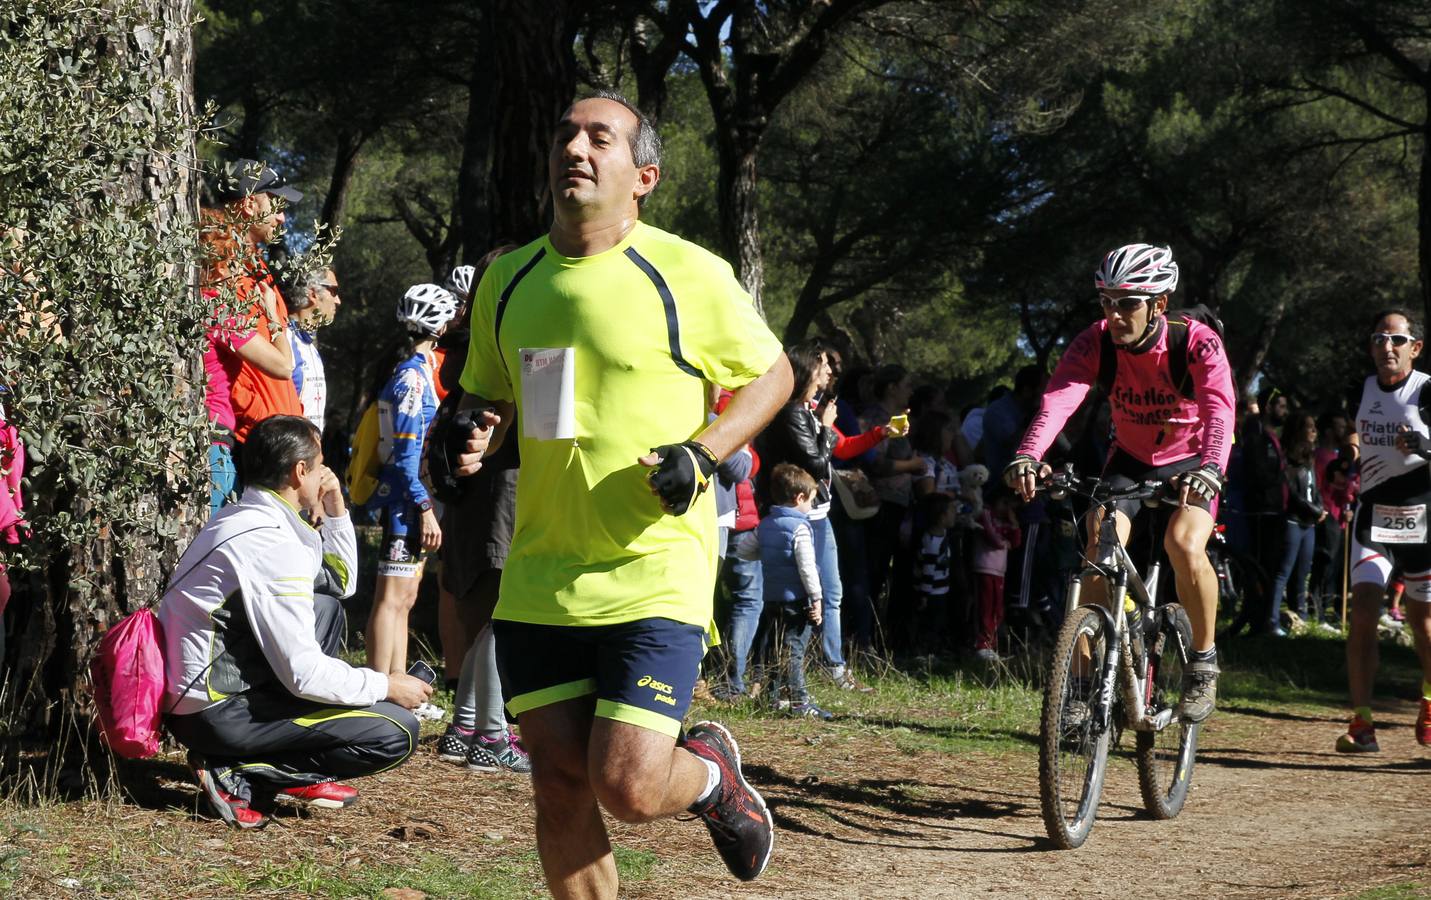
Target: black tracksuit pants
{"x":269,"y":735}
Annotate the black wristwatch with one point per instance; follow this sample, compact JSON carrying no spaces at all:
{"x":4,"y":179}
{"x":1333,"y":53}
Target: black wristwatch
{"x":425,"y":505}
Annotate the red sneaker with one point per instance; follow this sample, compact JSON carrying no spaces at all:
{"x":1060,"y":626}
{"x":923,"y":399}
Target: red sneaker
{"x":1423,"y":724}
{"x":328,"y":795}
{"x":1360,"y":737}
{"x":232,"y":810}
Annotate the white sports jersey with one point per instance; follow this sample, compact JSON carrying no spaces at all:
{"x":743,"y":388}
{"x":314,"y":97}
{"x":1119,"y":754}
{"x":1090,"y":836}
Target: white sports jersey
{"x":309,"y":377}
{"x":1381,"y":416}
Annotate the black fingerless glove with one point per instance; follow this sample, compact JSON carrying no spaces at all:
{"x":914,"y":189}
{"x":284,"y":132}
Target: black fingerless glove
{"x":1204,"y":482}
{"x":683,"y":474}
{"x":447,"y":442}
{"x":1022,"y":465}
{"x":1415,"y":442}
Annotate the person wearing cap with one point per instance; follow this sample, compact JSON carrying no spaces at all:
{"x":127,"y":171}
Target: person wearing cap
{"x":260,"y":368}
{"x":315,"y":303}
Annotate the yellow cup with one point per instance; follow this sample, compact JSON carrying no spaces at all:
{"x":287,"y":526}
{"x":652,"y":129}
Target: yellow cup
{"x":899,"y":425}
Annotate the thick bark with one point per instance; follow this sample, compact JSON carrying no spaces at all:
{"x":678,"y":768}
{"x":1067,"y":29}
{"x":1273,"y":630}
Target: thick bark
{"x":251,"y":129}
{"x":345,"y":162}
{"x":1423,"y":215}
{"x":533,"y":83}
{"x":739,"y":218}
{"x":86,"y":588}
{"x":749,"y":64}
{"x":808,"y":305}
{"x":657,"y":36}
{"x":471,"y":217}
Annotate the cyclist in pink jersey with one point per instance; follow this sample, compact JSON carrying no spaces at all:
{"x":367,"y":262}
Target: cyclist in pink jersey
{"x":1163,"y":430}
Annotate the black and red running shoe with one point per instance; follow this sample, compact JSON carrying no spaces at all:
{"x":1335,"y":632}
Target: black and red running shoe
{"x":734,"y":813}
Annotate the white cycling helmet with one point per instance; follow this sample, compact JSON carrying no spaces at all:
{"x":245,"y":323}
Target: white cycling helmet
{"x":426,"y":308}
{"x":459,"y":281}
{"x":1138,"y":267}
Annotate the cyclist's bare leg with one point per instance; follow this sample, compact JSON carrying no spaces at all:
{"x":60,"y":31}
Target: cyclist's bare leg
{"x":1094,"y":587}
{"x":1186,"y":544}
{"x":1094,"y":590}
{"x":1362,"y":650}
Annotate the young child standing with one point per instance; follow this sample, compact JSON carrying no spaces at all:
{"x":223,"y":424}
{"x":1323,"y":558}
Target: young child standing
{"x":785,"y":544}
{"x":934,"y":550}
{"x":1000,"y":533}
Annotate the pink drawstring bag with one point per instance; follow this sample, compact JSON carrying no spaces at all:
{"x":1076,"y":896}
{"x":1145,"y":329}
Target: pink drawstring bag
{"x":12,"y":467}
{"x":128,"y":676}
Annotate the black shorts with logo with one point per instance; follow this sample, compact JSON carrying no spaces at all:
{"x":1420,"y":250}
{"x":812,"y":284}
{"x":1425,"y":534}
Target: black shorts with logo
{"x":1123,"y":471}
{"x":642,"y":672}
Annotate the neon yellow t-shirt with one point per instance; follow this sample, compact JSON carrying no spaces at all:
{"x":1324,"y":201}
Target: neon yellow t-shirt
{"x":648,"y":323}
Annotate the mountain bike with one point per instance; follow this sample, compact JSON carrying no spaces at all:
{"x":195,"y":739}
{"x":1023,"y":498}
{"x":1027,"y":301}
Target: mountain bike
{"x":1116,"y":665}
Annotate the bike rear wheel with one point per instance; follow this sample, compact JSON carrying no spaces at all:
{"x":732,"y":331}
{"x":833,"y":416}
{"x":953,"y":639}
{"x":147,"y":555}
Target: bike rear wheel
{"x":1165,"y":758}
{"x":1073,"y":732}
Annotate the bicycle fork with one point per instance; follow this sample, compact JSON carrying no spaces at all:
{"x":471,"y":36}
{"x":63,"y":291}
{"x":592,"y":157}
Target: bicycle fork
{"x":1121,"y":667}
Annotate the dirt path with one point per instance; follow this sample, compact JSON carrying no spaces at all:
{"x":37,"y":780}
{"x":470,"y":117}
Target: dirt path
{"x":1275,"y":812}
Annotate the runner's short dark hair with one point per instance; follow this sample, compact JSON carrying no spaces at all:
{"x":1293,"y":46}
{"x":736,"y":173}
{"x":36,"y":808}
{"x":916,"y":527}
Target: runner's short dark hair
{"x":645,"y":143}
{"x":275,"y":446}
{"x":1413,"y":321}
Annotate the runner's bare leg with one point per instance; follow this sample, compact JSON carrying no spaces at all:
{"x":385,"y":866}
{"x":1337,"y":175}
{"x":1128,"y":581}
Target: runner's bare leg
{"x":1363,"y":654}
{"x":571,"y":837}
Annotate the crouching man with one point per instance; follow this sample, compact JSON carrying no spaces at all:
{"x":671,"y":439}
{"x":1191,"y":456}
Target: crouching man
{"x":252,"y":627}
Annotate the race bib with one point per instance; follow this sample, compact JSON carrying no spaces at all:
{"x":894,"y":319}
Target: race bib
{"x":1398,"y":524}
{"x":548,"y":393}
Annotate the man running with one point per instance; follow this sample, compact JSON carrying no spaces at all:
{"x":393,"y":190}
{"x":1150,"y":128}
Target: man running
{"x":603,"y":335}
{"x":1390,"y":525}
{"x":1161,"y":433}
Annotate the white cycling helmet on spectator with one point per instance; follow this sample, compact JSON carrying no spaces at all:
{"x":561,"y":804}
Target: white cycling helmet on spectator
{"x":426,"y":308}
{"x":1138,"y":267}
{"x":459,"y":282}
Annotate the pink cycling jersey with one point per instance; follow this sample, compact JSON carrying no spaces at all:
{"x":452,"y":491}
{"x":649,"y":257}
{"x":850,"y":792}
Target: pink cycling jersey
{"x":1152,"y":421}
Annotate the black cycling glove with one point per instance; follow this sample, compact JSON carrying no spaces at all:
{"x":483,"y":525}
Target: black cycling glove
{"x":447,"y":442}
{"x":1022,"y":465}
{"x":1204,"y":482}
{"x":1415,"y":442}
{"x":683,"y":474}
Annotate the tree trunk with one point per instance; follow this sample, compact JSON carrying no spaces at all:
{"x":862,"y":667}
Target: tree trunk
{"x":472,"y":223}
{"x":808,"y":305}
{"x":533,"y":83}
{"x":1423,"y":215}
{"x":62,"y":611}
{"x":739,"y":217}
{"x":255,"y":121}
{"x":345,"y":162}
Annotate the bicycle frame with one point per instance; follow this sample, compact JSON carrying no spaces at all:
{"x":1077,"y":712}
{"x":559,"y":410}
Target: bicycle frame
{"x":1115,"y":566}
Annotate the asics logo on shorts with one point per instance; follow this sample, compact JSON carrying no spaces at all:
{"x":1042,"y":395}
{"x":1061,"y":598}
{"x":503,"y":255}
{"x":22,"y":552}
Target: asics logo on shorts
{"x":662,"y":689}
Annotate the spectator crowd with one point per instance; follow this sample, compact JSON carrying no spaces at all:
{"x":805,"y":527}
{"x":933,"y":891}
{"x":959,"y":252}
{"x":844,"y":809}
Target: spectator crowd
{"x":865,"y":525}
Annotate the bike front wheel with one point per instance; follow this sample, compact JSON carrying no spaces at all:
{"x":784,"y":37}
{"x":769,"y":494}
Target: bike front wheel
{"x":1165,"y":758}
{"x":1074,"y":732}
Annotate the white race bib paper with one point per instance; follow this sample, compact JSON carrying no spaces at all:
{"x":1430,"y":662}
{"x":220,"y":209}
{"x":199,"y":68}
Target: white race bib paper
{"x":548,"y":393}
{"x":1398,"y":524}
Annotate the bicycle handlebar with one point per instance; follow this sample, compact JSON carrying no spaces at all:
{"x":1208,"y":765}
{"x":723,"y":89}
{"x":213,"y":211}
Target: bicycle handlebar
{"x":1096,"y":489}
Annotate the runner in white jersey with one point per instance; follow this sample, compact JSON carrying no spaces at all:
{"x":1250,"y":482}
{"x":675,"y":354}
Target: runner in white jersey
{"x":1390,"y":529}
